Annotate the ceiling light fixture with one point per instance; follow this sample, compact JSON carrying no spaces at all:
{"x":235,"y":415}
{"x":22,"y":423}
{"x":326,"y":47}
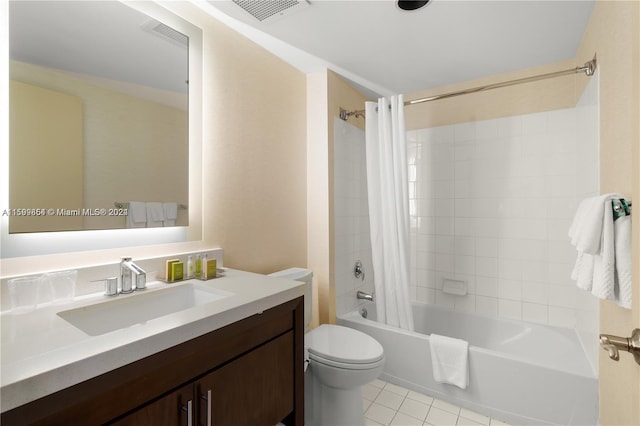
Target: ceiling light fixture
{"x":412,"y":5}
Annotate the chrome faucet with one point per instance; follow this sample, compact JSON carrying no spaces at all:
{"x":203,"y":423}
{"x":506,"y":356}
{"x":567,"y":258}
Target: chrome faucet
{"x":128,"y":270}
{"x":364,"y":296}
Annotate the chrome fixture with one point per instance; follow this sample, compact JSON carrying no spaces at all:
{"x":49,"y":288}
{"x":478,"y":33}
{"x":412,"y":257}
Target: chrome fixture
{"x":614,"y":344}
{"x":125,"y":205}
{"x":364,"y":296}
{"x":110,"y":286}
{"x":364,"y":312}
{"x":358,"y":271}
{"x":128,"y":270}
{"x":589,"y":68}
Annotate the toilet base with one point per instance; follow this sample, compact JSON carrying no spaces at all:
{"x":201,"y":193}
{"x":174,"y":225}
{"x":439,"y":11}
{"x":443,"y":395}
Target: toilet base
{"x":328,"y":406}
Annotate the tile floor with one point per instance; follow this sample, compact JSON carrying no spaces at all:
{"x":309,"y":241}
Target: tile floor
{"x":391,"y":405}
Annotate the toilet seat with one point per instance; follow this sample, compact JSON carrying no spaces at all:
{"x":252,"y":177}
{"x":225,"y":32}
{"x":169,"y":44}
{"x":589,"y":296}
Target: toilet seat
{"x":344,"y":347}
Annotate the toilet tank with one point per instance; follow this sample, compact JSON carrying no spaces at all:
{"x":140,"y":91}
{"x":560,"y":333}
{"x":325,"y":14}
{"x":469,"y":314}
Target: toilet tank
{"x":305,"y":276}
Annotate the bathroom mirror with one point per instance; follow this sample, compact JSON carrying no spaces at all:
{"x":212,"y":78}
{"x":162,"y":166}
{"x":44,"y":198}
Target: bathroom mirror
{"x":44,"y":242}
{"x":98,"y":116}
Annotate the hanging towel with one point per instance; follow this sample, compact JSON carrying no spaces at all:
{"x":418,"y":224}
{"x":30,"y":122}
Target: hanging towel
{"x":136,"y":215}
{"x":155,"y":215}
{"x":586,"y":229}
{"x":170,"y":213}
{"x":449,"y":360}
{"x":603,"y":263}
{"x":622,"y":229}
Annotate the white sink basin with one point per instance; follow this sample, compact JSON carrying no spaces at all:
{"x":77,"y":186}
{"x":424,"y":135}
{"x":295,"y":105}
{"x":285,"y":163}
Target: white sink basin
{"x":127,"y":310}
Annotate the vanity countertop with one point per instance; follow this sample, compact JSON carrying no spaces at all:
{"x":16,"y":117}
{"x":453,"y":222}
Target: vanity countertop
{"x":42,"y":353}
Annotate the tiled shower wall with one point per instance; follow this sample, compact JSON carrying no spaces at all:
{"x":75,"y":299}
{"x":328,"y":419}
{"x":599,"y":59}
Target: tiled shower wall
{"x":351,"y":216}
{"x":491,"y":204}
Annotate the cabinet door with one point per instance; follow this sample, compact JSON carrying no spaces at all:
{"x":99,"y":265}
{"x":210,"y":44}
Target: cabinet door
{"x":174,"y":409}
{"x":253,"y":390}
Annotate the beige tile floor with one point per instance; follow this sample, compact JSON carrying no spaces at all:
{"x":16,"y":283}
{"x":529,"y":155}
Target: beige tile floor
{"x":390,"y":405}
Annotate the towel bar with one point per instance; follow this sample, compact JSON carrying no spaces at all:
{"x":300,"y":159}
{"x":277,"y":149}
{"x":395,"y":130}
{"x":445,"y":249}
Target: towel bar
{"x":122,"y":205}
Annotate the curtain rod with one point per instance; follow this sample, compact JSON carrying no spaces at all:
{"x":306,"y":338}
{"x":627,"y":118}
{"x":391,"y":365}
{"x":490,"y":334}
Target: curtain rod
{"x":588,"y":68}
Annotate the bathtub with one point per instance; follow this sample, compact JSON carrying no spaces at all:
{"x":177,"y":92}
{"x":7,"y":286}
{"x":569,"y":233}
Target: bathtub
{"x":519,"y":372}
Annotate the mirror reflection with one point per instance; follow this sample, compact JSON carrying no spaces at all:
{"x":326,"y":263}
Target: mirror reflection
{"x":98,"y":118}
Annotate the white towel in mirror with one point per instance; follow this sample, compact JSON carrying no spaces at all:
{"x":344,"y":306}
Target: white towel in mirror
{"x":170,"y":213}
{"x":137,"y":215}
{"x":155,"y":215}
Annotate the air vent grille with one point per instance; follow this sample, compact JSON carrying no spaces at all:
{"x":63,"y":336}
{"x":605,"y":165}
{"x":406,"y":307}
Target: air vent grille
{"x":166,"y":32}
{"x":262,"y":10}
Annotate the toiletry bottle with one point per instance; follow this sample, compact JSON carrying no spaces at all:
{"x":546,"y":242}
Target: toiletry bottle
{"x":198,"y":265}
{"x":191,"y":267}
{"x":203,"y":266}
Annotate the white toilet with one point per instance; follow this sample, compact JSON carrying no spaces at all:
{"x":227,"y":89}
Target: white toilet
{"x":341,"y":361}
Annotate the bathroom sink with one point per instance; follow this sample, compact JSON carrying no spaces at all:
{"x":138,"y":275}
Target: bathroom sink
{"x":126,"y":310}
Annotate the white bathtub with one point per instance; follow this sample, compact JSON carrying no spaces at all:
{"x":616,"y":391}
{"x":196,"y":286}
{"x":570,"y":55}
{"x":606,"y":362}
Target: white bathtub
{"x":519,"y":372}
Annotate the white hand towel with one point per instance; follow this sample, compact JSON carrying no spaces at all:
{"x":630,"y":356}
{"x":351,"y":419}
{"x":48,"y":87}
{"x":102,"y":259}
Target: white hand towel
{"x":583,"y":271}
{"x":449,"y":360}
{"x":586,"y":228}
{"x":136,"y":215}
{"x":170,"y":213}
{"x":603,"y":264}
{"x":622,"y":229}
{"x":155,"y":215}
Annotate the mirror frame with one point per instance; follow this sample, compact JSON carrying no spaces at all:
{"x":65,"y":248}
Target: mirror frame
{"x":46,"y":243}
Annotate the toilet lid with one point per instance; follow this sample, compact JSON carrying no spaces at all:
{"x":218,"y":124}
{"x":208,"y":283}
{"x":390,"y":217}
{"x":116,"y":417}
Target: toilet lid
{"x":343,"y":344}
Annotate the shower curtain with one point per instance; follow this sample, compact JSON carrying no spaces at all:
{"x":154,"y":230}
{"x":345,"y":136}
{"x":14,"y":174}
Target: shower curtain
{"x":387,"y":188}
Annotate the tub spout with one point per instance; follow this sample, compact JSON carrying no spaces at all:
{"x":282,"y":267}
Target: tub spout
{"x":364,"y":296}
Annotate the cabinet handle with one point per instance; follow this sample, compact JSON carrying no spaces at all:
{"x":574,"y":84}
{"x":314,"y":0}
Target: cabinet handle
{"x":207,"y":398}
{"x":189,"y":410}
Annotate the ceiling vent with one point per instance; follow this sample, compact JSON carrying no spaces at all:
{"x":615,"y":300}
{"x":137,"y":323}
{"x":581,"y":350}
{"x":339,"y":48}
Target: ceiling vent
{"x":167,"y":33}
{"x":268,"y":11}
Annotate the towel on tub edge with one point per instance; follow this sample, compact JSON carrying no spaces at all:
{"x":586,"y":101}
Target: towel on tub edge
{"x":450,"y":360}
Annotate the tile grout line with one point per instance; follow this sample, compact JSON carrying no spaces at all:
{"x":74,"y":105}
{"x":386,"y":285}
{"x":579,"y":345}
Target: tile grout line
{"x":491,"y":421}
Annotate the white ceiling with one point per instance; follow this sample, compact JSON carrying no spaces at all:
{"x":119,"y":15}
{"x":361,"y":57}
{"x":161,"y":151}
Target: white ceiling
{"x":98,"y":38}
{"x":379,"y":47}
{"x":388,"y":50}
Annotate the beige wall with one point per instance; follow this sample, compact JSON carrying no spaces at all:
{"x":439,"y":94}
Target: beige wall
{"x":318,"y":194}
{"x":613,"y":33}
{"x":44,"y":175}
{"x":544,"y":95}
{"x":254,"y":151}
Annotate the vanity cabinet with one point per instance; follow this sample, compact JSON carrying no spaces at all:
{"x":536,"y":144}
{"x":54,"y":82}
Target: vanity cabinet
{"x":247,"y":373}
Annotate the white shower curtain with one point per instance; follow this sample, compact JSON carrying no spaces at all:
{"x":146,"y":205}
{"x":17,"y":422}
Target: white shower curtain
{"x":387,"y":184}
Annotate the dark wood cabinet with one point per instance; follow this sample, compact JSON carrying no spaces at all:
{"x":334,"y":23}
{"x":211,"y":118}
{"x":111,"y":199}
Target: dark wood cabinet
{"x":247,"y":373}
{"x":173,"y":409}
{"x":254,"y":389}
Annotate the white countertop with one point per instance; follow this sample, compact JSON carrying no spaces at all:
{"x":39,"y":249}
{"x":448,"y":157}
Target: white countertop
{"x":42,"y":353}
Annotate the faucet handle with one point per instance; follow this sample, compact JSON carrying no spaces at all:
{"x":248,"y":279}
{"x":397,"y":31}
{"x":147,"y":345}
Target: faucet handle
{"x":110,"y":285}
{"x":141,"y":281}
{"x":358,"y":270}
